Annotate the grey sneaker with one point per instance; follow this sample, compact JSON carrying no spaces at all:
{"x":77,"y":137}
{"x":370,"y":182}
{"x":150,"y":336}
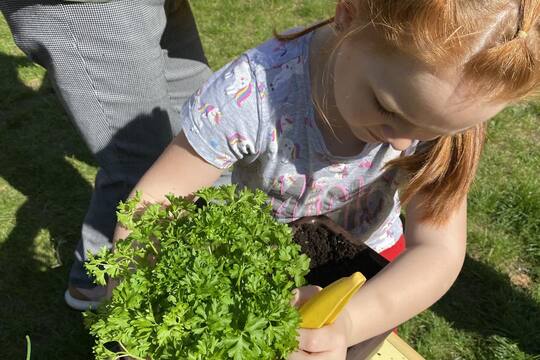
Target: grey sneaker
{"x":84,"y":299}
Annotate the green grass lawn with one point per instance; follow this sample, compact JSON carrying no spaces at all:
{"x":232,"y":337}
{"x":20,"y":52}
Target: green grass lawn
{"x":491,"y":312}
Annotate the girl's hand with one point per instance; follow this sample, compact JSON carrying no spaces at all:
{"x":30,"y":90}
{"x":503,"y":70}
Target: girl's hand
{"x":329,"y":342}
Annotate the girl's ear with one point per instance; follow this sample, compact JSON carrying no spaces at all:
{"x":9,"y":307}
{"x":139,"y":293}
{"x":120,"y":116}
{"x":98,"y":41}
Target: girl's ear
{"x":345,"y":13}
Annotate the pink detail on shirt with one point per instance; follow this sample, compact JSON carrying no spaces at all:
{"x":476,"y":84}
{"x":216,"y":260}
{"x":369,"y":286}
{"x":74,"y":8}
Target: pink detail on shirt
{"x":365,"y":164}
{"x":236,"y":138}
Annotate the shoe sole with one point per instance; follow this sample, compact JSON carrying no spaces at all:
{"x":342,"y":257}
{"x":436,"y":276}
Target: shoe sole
{"x":80,"y":305}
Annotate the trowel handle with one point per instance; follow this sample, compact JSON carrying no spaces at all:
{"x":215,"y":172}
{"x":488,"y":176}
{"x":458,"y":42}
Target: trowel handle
{"x":324,"y":307}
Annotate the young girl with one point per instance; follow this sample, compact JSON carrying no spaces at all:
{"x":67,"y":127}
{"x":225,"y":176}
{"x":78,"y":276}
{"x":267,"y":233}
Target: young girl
{"x":381,"y":106}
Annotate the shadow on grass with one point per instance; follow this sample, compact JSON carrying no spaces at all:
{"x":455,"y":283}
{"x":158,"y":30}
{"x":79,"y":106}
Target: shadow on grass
{"x":35,"y":137}
{"x":483,"y":301}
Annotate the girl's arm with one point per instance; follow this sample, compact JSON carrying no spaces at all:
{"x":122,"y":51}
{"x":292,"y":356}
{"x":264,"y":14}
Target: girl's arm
{"x":179,"y":170}
{"x":415,"y":280}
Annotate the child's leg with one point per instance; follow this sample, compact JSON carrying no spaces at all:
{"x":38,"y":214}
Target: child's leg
{"x":121,"y":76}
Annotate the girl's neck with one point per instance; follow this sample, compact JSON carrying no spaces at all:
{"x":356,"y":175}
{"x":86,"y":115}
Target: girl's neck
{"x":338,"y":137}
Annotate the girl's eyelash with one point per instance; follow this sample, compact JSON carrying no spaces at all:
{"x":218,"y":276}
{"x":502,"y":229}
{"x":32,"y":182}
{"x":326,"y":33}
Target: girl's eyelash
{"x":381,"y":109}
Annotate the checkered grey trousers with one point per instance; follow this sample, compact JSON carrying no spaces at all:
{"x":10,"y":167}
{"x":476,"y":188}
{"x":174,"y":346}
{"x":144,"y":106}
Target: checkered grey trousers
{"x":122,"y":70}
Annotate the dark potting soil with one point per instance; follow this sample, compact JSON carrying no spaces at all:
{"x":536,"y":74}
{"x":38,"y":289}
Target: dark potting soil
{"x":333,"y":256}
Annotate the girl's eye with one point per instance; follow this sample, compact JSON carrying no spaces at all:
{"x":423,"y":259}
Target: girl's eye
{"x":385,"y":113}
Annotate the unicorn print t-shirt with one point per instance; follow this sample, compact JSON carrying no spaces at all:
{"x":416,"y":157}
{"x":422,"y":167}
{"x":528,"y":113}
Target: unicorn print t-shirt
{"x":257,"y":113}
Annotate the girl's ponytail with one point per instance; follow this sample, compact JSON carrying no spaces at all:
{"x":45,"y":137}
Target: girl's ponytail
{"x":297,"y":34}
{"x":442,"y":171}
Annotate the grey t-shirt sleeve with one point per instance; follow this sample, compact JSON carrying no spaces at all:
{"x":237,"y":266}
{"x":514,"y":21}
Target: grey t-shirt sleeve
{"x":222,"y":120}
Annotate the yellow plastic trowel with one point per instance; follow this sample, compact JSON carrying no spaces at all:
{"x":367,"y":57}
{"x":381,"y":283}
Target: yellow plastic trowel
{"x":323,"y":308}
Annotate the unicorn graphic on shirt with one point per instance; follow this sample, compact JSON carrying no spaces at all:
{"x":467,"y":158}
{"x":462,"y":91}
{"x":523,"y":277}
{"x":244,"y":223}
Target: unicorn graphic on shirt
{"x":224,"y":161}
{"x":288,"y":208}
{"x":242,"y":87}
{"x":291,"y":184}
{"x":236,"y":138}
{"x":340,"y":171}
{"x":241,"y":142}
{"x":337,"y":193}
{"x":314,"y":204}
{"x":287,"y":71}
{"x":365,"y":164}
{"x":211,"y":113}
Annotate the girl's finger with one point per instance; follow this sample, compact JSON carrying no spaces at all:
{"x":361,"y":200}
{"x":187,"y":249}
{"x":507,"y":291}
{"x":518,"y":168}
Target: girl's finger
{"x":302,"y":294}
{"x":334,"y":355}
{"x":320,"y":340}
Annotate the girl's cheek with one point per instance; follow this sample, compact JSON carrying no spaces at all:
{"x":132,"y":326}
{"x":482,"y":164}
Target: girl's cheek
{"x":388,"y":132}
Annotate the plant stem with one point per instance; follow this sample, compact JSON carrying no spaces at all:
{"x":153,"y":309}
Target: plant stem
{"x":126,"y":353}
{"x":153,"y":247}
{"x":28,"y":347}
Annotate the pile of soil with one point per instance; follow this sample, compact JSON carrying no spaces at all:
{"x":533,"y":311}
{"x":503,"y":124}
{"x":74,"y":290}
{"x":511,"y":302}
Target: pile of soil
{"x":333,"y":255}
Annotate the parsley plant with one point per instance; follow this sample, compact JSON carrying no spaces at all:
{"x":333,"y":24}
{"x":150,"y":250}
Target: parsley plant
{"x":217,"y":284}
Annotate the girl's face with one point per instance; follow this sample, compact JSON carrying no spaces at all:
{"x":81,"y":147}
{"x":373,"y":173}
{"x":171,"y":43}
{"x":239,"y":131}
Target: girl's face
{"x":395,"y":99}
